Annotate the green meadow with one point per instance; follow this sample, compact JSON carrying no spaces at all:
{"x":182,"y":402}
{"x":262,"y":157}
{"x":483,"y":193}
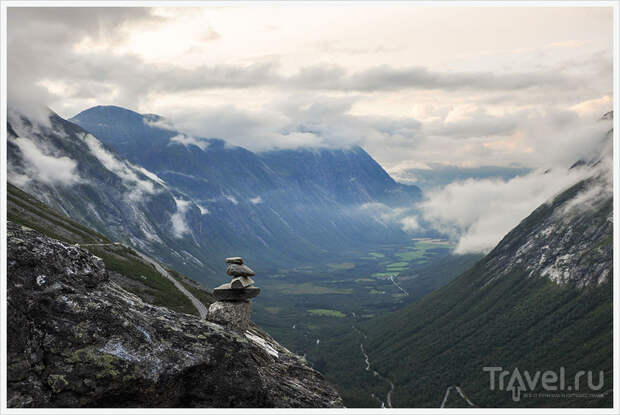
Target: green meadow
{"x":323,"y":312}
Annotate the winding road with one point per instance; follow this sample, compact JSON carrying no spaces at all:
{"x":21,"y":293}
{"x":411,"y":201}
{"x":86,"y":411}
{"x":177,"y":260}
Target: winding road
{"x":202,"y":310}
{"x":391,"y":277}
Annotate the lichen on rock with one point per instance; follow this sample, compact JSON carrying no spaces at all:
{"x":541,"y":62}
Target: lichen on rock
{"x":76,"y":339}
{"x":235,"y":315}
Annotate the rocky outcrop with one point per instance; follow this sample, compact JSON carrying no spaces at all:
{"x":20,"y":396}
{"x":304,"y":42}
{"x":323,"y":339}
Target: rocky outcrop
{"x":235,"y":315}
{"x":76,"y":339}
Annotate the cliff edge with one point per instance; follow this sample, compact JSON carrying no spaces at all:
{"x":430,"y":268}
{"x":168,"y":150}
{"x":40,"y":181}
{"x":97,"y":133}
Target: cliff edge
{"x":77,"y":339}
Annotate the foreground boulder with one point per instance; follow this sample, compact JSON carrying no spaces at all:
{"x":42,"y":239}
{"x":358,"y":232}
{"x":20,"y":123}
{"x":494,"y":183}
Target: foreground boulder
{"x":76,"y":339}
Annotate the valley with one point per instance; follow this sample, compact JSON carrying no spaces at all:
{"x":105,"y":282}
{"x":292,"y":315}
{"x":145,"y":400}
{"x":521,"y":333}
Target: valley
{"x":310,"y":307}
{"x":365,"y":284}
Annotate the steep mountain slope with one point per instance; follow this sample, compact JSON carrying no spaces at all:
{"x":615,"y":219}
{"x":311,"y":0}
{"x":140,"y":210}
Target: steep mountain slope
{"x":77,"y":339}
{"x":74,"y":173}
{"x":149,"y":141}
{"x":125,"y":266}
{"x":288,"y":201}
{"x":541,"y":300}
{"x":350,"y":176}
{"x":346,"y":175}
{"x":191,"y":201}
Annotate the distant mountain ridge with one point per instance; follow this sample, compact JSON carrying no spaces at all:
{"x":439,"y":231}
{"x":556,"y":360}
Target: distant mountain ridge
{"x":349,"y":175}
{"x":191,"y":201}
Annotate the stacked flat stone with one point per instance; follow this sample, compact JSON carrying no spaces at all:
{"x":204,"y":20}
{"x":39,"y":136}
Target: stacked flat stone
{"x":233,"y":307}
{"x":241,"y":287}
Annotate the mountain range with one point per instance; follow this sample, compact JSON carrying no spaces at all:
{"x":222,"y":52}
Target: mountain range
{"x":541,"y":300}
{"x":192,"y":201}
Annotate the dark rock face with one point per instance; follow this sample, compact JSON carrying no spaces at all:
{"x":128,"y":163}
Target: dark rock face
{"x":75,"y":339}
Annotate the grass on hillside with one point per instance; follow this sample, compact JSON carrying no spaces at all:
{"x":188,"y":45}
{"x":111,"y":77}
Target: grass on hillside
{"x":147,"y":284}
{"x":160,"y":288}
{"x":343,"y":266}
{"x":383,"y":274}
{"x":418,"y":251}
{"x":309,"y":288}
{"x":196,"y":289}
{"x":326,"y":313}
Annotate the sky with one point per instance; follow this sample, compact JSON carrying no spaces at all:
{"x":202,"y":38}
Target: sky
{"x":415,"y":86}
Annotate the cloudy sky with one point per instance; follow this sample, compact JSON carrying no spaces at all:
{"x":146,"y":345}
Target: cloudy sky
{"x":414,"y":86}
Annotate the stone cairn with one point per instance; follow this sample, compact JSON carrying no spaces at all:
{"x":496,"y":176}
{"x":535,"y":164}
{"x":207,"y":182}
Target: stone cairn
{"x":233,"y":307}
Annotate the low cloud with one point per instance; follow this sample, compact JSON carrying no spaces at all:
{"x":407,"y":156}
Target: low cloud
{"x":231,"y":199}
{"x":307,"y":120}
{"x":29,"y":104}
{"x":410,"y":224}
{"x":189,"y":141}
{"x":158,"y":122}
{"x":129,"y":174}
{"x":42,"y":162}
{"x":478,"y":213}
{"x":471,"y":138}
{"x":600,"y":190}
{"x":256,"y":200}
{"x":151,"y":175}
{"x":179,"y":224}
{"x":387,"y":215}
{"x":44,"y":167}
{"x":589,"y":198}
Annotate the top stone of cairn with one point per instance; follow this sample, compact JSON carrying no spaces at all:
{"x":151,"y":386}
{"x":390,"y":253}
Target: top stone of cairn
{"x":235,"y":260}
